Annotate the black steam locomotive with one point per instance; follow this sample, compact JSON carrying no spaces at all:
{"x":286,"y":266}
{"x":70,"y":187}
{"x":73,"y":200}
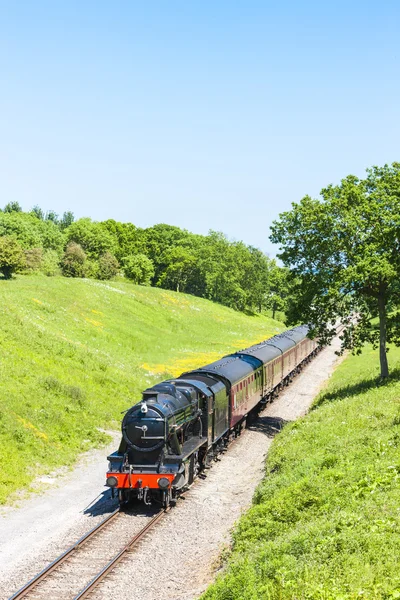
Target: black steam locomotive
{"x":181,"y":425}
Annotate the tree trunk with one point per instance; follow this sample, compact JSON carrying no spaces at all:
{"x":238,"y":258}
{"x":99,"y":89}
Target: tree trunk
{"x":382,"y":335}
{"x":273,"y":310}
{"x":7,"y":272}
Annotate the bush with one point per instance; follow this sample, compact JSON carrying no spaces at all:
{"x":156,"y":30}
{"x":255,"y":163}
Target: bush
{"x":138,"y":268}
{"x":74,"y":261}
{"x":12,"y":257}
{"x":33,"y":258}
{"x":50,"y":263}
{"x":108,"y":266}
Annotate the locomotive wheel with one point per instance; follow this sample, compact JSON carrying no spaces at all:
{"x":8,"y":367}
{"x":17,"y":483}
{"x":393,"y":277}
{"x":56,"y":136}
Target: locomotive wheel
{"x":166,"y":498}
{"x":123,"y":497}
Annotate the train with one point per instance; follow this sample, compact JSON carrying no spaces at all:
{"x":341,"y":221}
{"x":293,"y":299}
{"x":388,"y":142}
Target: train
{"x":182,"y":425}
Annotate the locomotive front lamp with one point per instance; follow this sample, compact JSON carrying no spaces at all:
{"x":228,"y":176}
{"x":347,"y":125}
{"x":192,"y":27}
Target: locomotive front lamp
{"x":163,"y":483}
{"x":111,"y":481}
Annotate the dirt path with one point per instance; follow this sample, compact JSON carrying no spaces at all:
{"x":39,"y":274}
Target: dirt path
{"x":184,"y":550}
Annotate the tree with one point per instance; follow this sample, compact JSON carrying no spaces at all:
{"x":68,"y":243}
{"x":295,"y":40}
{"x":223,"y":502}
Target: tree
{"x":73,"y":261}
{"x":12,"y":207}
{"x":12,"y":257}
{"x":107,"y":266}
{"x":128,"y":238}
{"x":32,"y":232}
{"x":138,"y":268}
{"x":38,"y":212}
{"x":52,"y":216}
{"x":160,"y":238}
{"x":181,"y":264}
{"x":345,"y":250}
{"x":92,"y":237}
{"x":279,"y":288}
{"x":66,"y":220}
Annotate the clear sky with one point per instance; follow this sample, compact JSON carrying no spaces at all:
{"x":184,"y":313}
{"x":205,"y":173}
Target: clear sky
{"x":206,"y":115}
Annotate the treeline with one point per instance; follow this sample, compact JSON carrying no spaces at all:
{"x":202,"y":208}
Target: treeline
{"x":210,"y":266}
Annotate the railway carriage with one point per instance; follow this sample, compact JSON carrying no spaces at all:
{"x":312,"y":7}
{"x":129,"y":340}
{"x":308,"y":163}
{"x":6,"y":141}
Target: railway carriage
{"x":182,"y":424}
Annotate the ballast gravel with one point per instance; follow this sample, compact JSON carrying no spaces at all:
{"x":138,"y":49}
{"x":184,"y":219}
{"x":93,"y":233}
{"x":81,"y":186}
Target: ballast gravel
{"x":180,"y":557}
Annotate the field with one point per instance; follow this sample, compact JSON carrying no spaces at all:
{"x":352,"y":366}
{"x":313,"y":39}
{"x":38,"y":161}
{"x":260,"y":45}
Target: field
{"x":325,"y":521}
{"x":75,"y":353}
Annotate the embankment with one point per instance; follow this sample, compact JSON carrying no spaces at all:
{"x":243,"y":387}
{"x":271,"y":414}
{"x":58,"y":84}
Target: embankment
{"x":325,"y":521}
{"x":75,"y":353}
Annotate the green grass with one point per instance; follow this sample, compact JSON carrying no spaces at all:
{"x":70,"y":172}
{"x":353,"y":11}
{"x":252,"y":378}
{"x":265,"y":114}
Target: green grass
{"x":325,"y":522}
{"x":75,"y":353}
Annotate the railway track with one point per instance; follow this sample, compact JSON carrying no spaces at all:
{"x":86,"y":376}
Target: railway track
{"x":76,"y":572}
{"x":79,"y":570}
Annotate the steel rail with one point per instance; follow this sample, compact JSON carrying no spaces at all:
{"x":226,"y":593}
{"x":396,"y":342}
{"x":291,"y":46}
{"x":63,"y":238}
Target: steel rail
{"x":22,"y":592}
{"x":118,"y":557}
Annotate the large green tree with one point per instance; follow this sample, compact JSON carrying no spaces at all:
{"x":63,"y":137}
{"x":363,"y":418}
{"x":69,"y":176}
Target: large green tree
{"x":92,"y":237}
{"x":345,"y":251}
{"x":138,"y":268}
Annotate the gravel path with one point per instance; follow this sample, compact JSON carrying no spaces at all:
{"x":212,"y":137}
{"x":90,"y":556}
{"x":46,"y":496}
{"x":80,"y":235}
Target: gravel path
{"x":180,"y":556}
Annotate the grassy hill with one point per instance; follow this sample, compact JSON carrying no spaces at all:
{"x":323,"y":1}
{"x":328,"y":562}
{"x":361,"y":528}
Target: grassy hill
{"x":326,"y":519}
{"x":75,"y":353}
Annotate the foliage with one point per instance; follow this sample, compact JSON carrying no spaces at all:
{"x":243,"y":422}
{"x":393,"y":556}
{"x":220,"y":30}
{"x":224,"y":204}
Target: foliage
{"x":91,"y":236}
{"x":66,"y":220}
{"x":50,"y":263}
{"x":108,"y":266}
{"x":138,"y":268}
{"x":33,"y":258}
{"x":12,"y":257}
{"x":345,"y":252}
{"x":32,"y":232}
{"x":324,"y":522}
{"x":52,"y":216}
{"x":74,"y":261}
{"x":180,"y":265}
{"x":12,"y":207}
{"x":77,"y":352}
{"x":38,"y":212}
{"x":128,"y":238}
{"x":210,"y":266}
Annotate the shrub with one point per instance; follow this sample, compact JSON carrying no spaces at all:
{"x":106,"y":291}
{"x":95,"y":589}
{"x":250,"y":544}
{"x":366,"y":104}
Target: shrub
{"x":33,"y":258}
{"x":138,"y":268}
{"x":12,"y":257}
{"x":91,"y":269}
{"x":74,"y":261}
{"x":50,"y":263}
{"x":108,"y":266}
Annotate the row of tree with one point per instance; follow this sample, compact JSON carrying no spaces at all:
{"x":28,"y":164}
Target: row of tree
{"x":210,"y":266}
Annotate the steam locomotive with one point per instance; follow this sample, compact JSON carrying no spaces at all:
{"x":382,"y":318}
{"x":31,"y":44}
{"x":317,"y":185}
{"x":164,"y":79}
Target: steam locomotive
{"x":181,"y":425}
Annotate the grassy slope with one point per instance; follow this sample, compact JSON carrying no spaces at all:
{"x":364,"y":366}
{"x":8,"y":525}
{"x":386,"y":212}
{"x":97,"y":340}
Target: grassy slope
{"x":75,"y":353}
{"x":326,"y":519}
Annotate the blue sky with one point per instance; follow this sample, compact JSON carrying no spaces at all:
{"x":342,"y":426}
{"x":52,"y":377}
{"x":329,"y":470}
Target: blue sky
{"x":206,"y":115}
